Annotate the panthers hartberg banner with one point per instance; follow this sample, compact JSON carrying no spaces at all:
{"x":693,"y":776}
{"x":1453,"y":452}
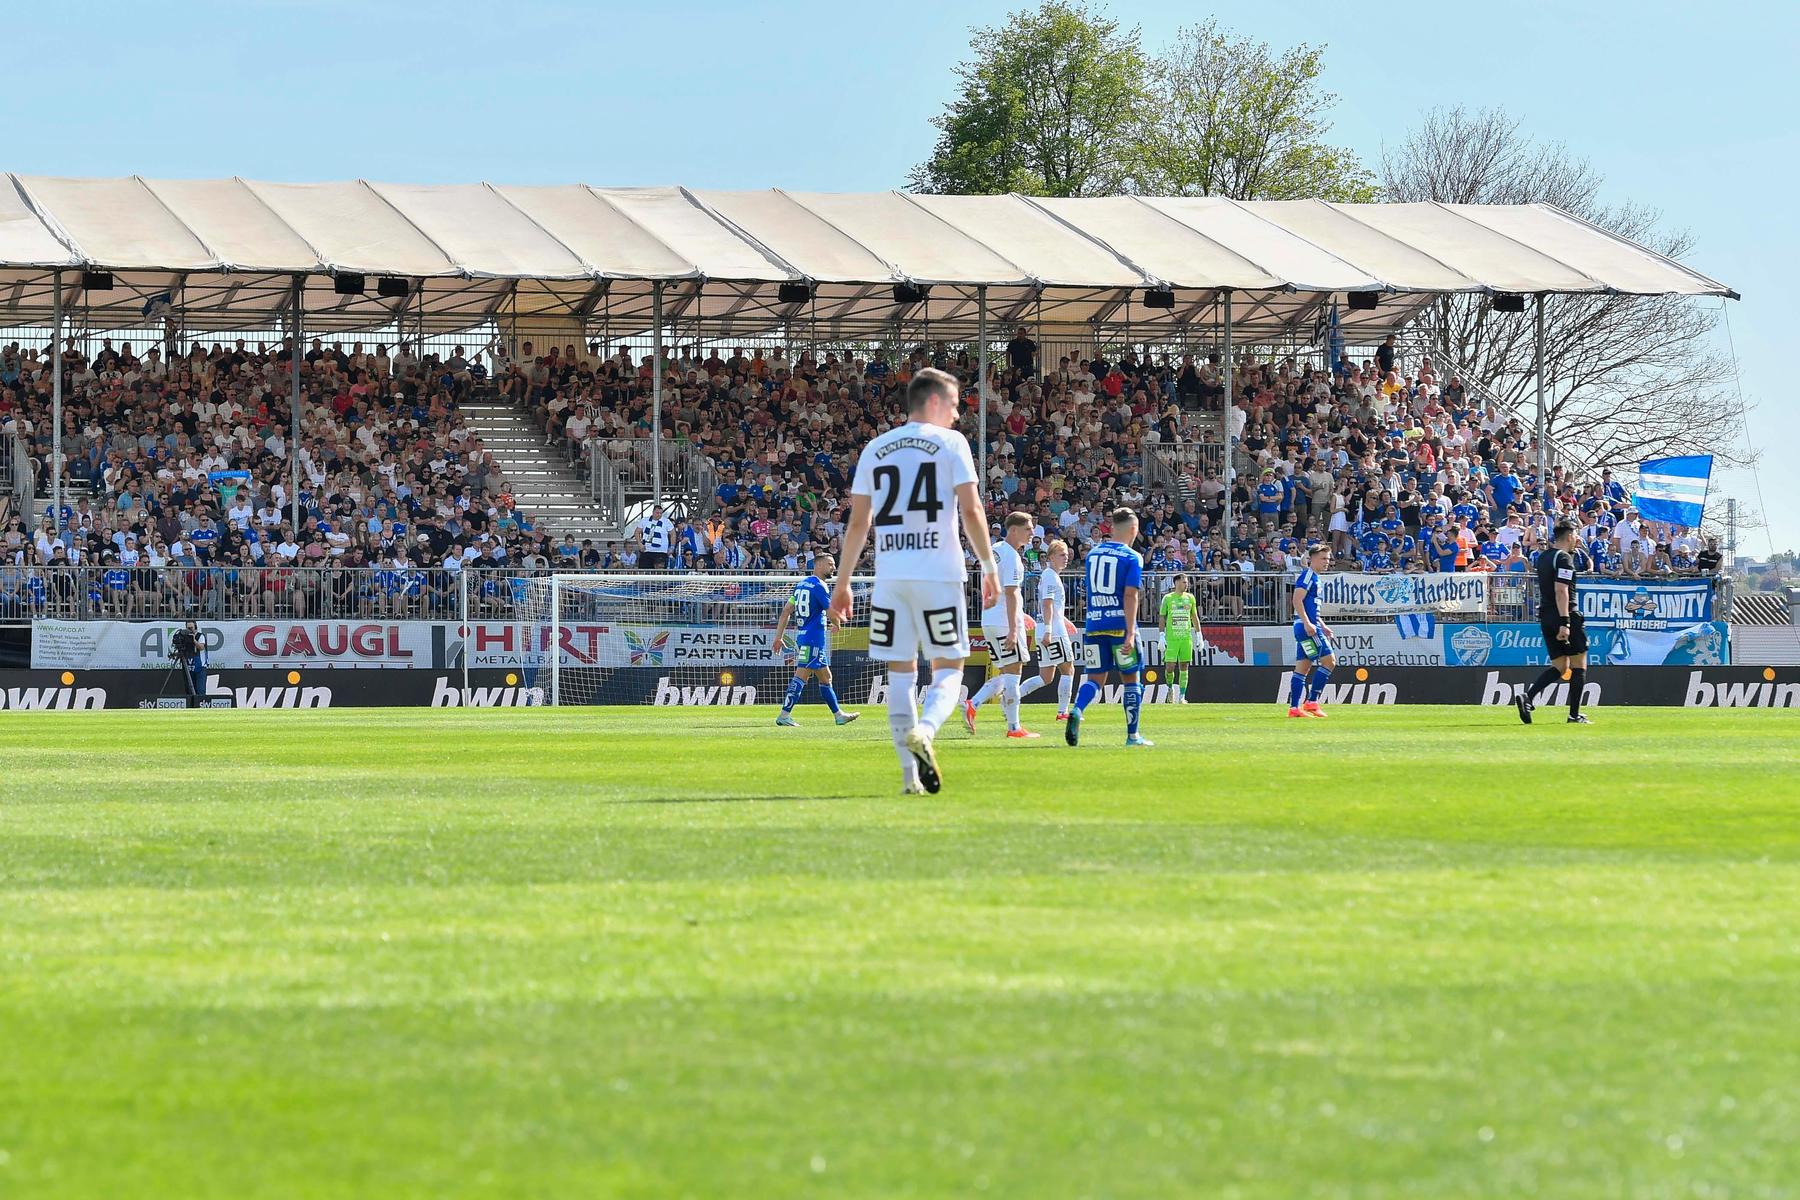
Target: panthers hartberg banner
{"x":1390,"y":595}
{"x":1660,"y":607}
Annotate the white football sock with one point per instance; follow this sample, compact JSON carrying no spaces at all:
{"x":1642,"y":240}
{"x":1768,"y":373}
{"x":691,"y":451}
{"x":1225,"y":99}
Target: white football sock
{"x":1009,"y":700}
{"x":986,"y":691}
{"x":1065,"y":692}
{"x":903,"y":714}
{"x":1030,"y":685}
{"x":940,"y":699}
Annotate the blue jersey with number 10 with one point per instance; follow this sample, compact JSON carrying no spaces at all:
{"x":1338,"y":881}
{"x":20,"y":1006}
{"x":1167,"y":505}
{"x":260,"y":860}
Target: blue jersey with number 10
{"x":1111,"y":568}
{"x":810,"y":602}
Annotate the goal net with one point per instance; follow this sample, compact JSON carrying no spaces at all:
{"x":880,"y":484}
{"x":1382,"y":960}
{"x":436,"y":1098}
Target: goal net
{"x":668,"y":639}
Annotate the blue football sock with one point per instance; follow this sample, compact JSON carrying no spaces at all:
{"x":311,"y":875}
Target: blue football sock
{"x":830,"y":694}
{"x":1316,"y":684}
{"x":1296,"y":688}
{"x":1134,"y":701}
{"x":1085,"y":697}
{"x":796,"y":689}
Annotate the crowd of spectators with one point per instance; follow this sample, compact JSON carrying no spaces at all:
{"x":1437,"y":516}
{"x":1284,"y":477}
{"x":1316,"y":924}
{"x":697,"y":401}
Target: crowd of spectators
{"x":1394,"y":466}
{"x":391,"y":479}
{"x":1396,"y":469}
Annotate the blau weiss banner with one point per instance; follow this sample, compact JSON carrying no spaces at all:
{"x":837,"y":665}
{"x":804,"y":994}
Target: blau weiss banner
{"x":1517,"y":645}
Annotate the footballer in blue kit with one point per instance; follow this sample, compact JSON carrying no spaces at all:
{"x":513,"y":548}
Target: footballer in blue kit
{"x":1313,"y":656}
{"x":1115,"y":577}
{"x":810,"y":610}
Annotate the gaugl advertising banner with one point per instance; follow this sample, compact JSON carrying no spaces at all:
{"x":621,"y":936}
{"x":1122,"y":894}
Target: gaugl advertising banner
{"x":235,"y":645}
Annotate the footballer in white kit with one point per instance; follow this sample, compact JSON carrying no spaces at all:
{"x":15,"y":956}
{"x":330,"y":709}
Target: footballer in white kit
{"x":1056,"y":646}
{"x":1005,"y":626}
{"x":915,"y":490}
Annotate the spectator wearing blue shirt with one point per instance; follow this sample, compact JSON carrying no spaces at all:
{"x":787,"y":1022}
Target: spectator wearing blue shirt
{"x":1268,"y":500}
{"x":1504,"y":488}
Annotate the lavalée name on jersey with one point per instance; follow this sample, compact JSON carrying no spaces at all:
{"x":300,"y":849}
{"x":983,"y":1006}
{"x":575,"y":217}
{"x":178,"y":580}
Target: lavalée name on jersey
{"x":908,"y":443}
{"x":894,"y":542}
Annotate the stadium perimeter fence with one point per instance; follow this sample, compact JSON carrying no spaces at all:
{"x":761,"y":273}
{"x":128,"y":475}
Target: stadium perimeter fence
{"x":432,"y":593}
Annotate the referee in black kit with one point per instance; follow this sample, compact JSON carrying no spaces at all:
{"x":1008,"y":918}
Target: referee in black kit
{"x":1560,"y":620}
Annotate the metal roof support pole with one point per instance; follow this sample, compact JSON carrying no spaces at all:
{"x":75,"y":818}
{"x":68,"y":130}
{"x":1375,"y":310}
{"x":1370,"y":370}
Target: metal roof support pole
{"x":56,"y":374}
{"x":1542,"y":454}
{"x":656,"y":391}
{"x":294,"y":401}
{"x":1037,"y":334}
{"x":981,"y":367}
{"x":1230,"y":437}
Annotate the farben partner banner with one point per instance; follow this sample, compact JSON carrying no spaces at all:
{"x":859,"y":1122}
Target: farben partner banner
{"x":438,"y":645}
{"x":1441,"y":593}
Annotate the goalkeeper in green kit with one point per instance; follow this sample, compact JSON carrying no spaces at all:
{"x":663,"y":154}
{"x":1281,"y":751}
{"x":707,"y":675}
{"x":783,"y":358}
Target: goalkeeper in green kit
{"x":1180,"y":616}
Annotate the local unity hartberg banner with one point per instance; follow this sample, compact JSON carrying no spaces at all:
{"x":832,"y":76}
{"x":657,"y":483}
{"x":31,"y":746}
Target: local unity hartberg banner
{"x":1652,"y":606}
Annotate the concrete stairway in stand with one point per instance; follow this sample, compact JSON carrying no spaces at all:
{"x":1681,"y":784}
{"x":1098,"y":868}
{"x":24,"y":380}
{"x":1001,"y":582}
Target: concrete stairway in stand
{"x":544,"y":483}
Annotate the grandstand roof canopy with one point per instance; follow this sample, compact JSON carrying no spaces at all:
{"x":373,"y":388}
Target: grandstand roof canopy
{"x":227,"y":251}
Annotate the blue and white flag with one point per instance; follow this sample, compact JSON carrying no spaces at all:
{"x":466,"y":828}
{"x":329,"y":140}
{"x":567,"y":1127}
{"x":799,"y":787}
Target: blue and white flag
{"x":162,"y":304}
{"x":1673,"y":489}
{"x":1416,"y":625}
{"x":1334,"y":342}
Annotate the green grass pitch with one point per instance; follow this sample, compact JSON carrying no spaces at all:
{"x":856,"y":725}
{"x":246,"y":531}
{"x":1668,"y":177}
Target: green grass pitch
{"x":1412,"y":952}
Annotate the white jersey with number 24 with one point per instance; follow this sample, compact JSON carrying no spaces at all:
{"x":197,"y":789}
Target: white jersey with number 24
{"x":910,"y":475}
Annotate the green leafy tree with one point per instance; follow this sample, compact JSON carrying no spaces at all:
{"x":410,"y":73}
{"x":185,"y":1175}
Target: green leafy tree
{"x":1051,"y":104}
{"x":1233,"y":117}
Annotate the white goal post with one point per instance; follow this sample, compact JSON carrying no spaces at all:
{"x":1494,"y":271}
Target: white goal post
{"x":687,"y":639}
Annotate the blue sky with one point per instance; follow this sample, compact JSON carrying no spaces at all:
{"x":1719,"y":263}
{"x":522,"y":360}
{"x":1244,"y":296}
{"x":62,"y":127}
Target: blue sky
{"x":1684,"y":107}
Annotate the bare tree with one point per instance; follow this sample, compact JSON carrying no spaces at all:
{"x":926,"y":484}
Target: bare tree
{"x":1626,"y":377}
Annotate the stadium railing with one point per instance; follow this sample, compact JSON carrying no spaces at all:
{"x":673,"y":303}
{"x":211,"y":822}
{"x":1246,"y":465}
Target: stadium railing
{"x":490,"y":593}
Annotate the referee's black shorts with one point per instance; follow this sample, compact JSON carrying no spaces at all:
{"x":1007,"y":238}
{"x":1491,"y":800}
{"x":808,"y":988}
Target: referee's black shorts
{"x":1559,"y":648}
